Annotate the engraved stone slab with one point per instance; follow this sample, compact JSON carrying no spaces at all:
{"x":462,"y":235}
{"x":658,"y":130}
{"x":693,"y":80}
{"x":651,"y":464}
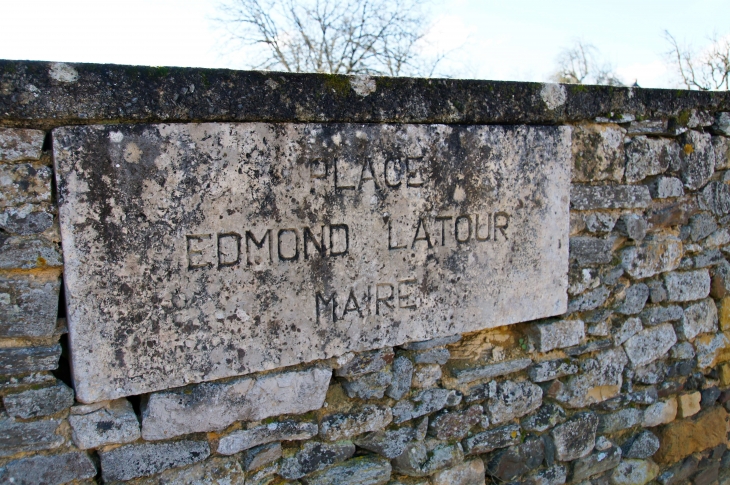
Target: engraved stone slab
{"x":200,"y":251}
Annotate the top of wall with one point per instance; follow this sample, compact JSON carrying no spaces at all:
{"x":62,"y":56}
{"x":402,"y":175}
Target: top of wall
{"x":42,"y":94}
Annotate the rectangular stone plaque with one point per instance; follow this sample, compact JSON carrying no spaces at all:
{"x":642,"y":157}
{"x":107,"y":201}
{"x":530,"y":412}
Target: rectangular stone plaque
{"x":200,"y":251}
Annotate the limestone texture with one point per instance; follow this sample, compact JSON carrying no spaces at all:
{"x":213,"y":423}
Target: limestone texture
{"x":357,"y":471}
{"x":20,"y":360}
{"x":48,"y":469}
{"x":214,"y":471}
{"x":259,"y":456}
{"x":468,"y":473}
{"x":315,"y":456}
{"x":687,"y":285}
{"x":698,"y":318}
{"x":600,"y":379}
{"x":137,"y":460}
{"x":20,"y":144}
{"x":641,"y":446}
{"x":31,"y":305}
{"x":492,"y":439}
{"x":576,"y":437}
{"x":684,"y":437}
{"x":24,"y":184}
{"x":39,"y":402}
{"x":556,"y":335}
{"x":282,"y":431}
{"x":649,"y":156}
{"x":336,"y":427}
{"x":598,"y":153}
{"x":370,"y":203}
{"x":423,"y":458}
{"x":696,"y":159}
{"x":391,"y":443}
{"x":688,"y":404}
{"x":652,"y":256}
{"x":19,"y":436}
{"x":634,"y":472}
{"x":513,"y":400}
{"x":115,"y":423}
{"x":662,"y":412}
{"x":588,"y":197}
{"x":597,"y":462}
{"x":666,"y":187}
{"x":650,"y":344}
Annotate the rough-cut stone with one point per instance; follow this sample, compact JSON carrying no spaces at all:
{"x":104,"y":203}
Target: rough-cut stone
{"x":589,"y":301}
{"x":590,"y":197}
{"x":336,"y":427}
{"x":597,"y":462}
{"x":29,"y":254}
{"x":260,"y":456}
{"x":600,"y":379}
{"x":24,"y":184}
{"x":629,"y":328}
{"x":632,"y":226}
{"x":468,"y":473}
{"x":634,"y":472}
{"x":454,"y":425}
{"x":582,"y":279}
{"x":598,"y":153}
{"x":48,"y":470}
{"x":682,"y":438}
{"x":422,"y":403}
{"x":720,"y":284}
{"x":432,"y":356}
{"x":429,"y":344}
{"x":469,"y":374}
{"x":20,"y":144}
{"x":666,"y":187}
{"x":364,"y":470}
{"x":315,"y":456}
{"x":30,"y":305}
{"x":682,"y":351}
{"x":592,"y":346}
{"x":688,"y":404}
{"x":698,"y":318}
{"x":366,"y":362}
{"x":402,"y":374}
{"x":281,"y":431}
{"x":112,"y":424}
{"x":552,"y":369}
{"x":556,"y":335}
{"x":576,"y":437}
{"x":25,"y":220}
{"x":590,"y":250}
{"x":29,"y":359}
{"x":634,"y":300}
{"x":687,"y":285}
{"x":516,"y":460}
{"x":367,"y":386}
{"x":511,"y":400}
{"x":701,"y":226}
{"x":696,"y":159}
{"x":620,"y":420}
{"x":390,"y":443}
{"x":214,"y":471}
{"x":423,"y":458}
{"x":545,"y":418}
{"x":426,"y":375}
{"x":662,"y":412}
{"x":600,"y":222}
{"x":721,"y":146}
{"x":492,"y":439}
{"x":214,"y":226}
{"x":650,"y":344}
{"x":651,"y":257}
{"x":138,"y":460}
{"x":722,"y":124}
{"x":213,"y":406}
{"x":649,"y":156}
{"x":641,"y":446}
{"x":716,"y":197}
{"x":39,"y":402}
{"x":660,"y":314}
{"x":554,"y":475}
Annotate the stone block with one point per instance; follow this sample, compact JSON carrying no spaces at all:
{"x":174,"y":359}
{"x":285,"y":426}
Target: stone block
{"x":468,"y":473}
{"x":114,"y":423}
{"x":429,"y":344}
{"x":340,"y":426}
{"x":620,"y":420}
{"x":682,"y":351}
{"x":600,"y":379}
{"x":213,"y":471}
{"x":26,"y":220}
{"x":29,"y":305}
{"x":364,"y":470}
{"x":432,"y":356}
{"x":667,"y":214}
{"x":715,"y":197}
{"x":367,"y":386}
{"x":426,"y":375}
{"x":722,"y":152}
{"x":687,"y":285}
{"x":600,"y":222}
{"x":688,"y":404}
{"x":598,"y":153}
{"x":282,"y":431}
{"x":402,"y":375}
{"x":423,"y":403}
{"x":421,"y":459}
{"x":641,"y":446}
{"x":649,"y":156}
{"x":16,"y":437}
{"x":553,"y":475}
{"x":48,"y":470}
{"x":652,"y":127}
{"x":701,"y":226}
{"x":634,"y":299}
{"x":366,"y":363}
{"x":20,"y":144}
{"x":454,"y":425}
{"x":582,"y":279}
{"x":652,"y":256}
{"x":660,"y":314}
{"x":709,"y":349}
{"x":29,"y":359}
{"x":492,"y":439}
{"x":576,"y":437}
{"x":466,"y":375}
{"x":24,"y":184}
{"x":632,"y":226}
{"x":213,"y":406}
{"x":698,"y":318}
{"x":722,"y":124}
{"x":512,"y":400}
{"x":139,"y":460}
{"x":720,"y":284}
{"x":39,"y":402}
{"x":18,"y":253}
{"x":391,"y":443}
{"x":552,"y":369}
{"x":591,"y":197}
{"x":696,"y":159}
{"x":595,"y":463}
{"x":314,"y":456}
{"x":590,"y":250}
{"x":255,"y":458}
{"x":548,"y":416}
{"x":516,"y":460}
{"x":666,"y":187}
{"x":634,"y":472}
{"x":650,"y":344}
{"x":629,"y":328}
{"x":662,"y":412}
{"x":556,"y":334}
{"x":682,"y":438}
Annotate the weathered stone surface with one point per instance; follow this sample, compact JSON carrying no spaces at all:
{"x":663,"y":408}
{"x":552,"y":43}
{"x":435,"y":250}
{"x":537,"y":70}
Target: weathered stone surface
{"x":315,"y":456}
{"x":367,"y":386}
{"x":336,"y":427}
{"x":701,"y":226}
{"x":589,"y":197}
{"x":468,"y":473}
{"x":651,"y":257}
{"x":708,"y":347}
{"x":666,"y":187}
{"x":469,"y":374}
{"x":552,"y":369}
{"x":634,"y":472}
{"x":424,"y":402}
{"x":589,"y":300}
{"x":688,"y":404}
{"x":29,"y":305}
{"x":600,"y":222}
{"x":600,"y":379}
{"x":364,"y":470}
{"x":213,"y":406}
{"x":28,"y":436}
{"x":29,"y":359}
{"x":598,"y":153}
{"x":698,"y":318}
{"x":214,"y":471}
{"x":629,"y":328}
{"x":366,"y":363}
{"x":634,"y":300}
{"x":112,"y":424}
{"x":696,"y":159}
{"x":281,"y":431}
{"x":188,"y":245}
{"x":25,"y":220}
{"x":426,"y":375}
{"x":582,"y":279}
{"x":423,"y":458}
{"x":492,"y":439}
{"x":556,"y":335}
{"x":650,"y":344}
{"x":24,"y":184}
{"x":592,"y":346}
{"x":454,"y":425}
{"x":432,"y":356}
{"x":687,"y":285}
{"x":390,"y":443}
{"x":716,"y":197}
{"x":576,"y":437}
{"x":516,"y":460}
{"x":682,"y":438}
{"x":19,"y":144}
{"x":632,"y":226}
{"x":29,"y":254}
{"x":597,"y":462}
{"x":641,"y":446}
{"x":429,"y":344}
{"x":39,"y":402}
{"x":48,"y":470}
{"x":662,"y":412}
{"x":138,"y":460}
{"x":545,"y":418}
{"x":649,"y":156}
{"x":682,"y":351}
{"x":660,"y":314}
{"x":259,"y":456}
{"x":402,"y":374}
{"x":721,"y":145}
{"x":554,"y":475}
{"x":512,"y":400}
{"x":722,"y":124}
{"x":620,"y":420}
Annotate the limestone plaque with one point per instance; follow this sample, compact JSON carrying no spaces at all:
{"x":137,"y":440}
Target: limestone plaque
{"x":200,"y":251}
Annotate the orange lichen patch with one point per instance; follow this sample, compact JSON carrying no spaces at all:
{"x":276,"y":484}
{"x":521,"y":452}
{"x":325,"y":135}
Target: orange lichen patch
{"x":688,"y":149}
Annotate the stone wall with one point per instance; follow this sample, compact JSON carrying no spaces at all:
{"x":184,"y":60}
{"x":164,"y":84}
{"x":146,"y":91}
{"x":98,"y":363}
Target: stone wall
{"x":631,"y":386}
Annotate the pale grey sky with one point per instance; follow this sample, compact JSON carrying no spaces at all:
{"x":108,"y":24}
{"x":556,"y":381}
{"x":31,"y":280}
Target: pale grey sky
{"x":505,"y":40}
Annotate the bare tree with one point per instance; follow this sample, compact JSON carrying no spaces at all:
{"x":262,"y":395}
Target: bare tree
{"x":579,"y":64}
{"x":332,"y":36}
{"x":707,"y":70}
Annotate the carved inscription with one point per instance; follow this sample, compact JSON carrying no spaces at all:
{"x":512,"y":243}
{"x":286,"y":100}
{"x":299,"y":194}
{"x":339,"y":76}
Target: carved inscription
{"x":200,"y":251}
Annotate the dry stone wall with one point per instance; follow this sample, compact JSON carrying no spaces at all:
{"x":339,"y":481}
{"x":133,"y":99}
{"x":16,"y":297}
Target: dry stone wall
{"x":630,"y":386}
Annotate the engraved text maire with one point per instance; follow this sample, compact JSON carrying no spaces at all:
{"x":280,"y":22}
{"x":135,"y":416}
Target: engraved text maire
{"x":200,"y":251}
